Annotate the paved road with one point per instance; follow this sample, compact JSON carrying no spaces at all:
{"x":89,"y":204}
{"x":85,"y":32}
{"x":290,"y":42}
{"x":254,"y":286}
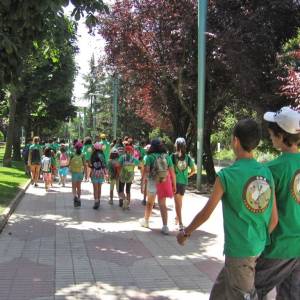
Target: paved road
{"x":49,"y":250}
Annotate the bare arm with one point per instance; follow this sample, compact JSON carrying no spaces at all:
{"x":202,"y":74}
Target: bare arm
{"x":274,"y":216}
{"x":205,"y":213}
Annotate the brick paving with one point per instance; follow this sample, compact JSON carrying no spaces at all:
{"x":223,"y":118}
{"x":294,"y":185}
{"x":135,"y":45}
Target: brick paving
{"x":51,"y":251}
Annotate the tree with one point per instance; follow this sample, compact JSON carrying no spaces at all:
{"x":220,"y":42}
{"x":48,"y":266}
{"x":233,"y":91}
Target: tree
{"x":153,"y":45}
{"x":22,"y":23}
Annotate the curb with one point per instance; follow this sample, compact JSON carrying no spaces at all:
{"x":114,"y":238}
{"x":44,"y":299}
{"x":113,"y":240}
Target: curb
{"x":12,"y":206}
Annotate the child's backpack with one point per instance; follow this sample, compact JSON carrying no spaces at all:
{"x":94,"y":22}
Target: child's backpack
{"x":159,"y":170}
{"x":35,"y":156}
{"x":63,"y":159}
{"x":127,"y":170}
{"x":181,"y":164}
{"x":46,"y":164}
{"x":76,"y":164}
{"x":99,"y":168}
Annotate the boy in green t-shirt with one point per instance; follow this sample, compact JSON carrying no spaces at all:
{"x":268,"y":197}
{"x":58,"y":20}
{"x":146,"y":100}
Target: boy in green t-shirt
{"x":249,"y":212}
{"x":279,"y":264}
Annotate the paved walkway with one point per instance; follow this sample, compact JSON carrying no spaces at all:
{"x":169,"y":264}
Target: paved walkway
{"x":49,"y":250}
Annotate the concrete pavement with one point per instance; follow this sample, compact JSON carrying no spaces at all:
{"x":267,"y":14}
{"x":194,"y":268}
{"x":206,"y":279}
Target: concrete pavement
{"x":49,"y":250}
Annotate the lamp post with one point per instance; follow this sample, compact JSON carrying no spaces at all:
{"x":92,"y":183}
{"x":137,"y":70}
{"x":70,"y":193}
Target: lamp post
{"x":202,"y":9}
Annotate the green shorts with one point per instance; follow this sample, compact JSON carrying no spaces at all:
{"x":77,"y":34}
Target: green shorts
{"x":77,"y":176}
{"x":95,"y":179}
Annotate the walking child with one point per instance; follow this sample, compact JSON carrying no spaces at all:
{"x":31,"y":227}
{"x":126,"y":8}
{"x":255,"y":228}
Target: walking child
{"x":127,"y":164}
{"x":63,"y":165}
{"x":113,"y":172}
{"x":76,"y":168}
{"x":99,"y":172}
{"x":184,"y":168}
{"x":46,"y":168}
{"x":158,"y":168}
{"x":34,"y":160}
{"x":249,"y":212}
{"x":279,"y":265}
{"x":87,"y":152}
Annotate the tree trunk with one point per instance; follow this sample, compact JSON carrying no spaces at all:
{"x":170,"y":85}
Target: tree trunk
{"x":17,"y":144}
{"x":10,"y":130}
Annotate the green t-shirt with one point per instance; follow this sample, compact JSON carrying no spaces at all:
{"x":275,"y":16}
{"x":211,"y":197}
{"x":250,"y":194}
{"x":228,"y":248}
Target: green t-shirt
{"x":285,"y":239}
{"x":106,"y":149}
{"x":182,"y":167}
{"x":87,"y":151}
{"x":247,"y":206}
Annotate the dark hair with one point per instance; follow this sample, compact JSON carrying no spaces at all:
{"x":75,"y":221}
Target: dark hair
{"x":157,"y":148}
{"x":62,"y":149}
{"x":87,"y":141}
{"x":95,"y":155}
{"x":78,"y":150}
{"x":47,"y":152}
{"x":114,"y":155}
{"x":249,"y":134}
{"x":288,"y":139}
{"x":75,"y":141}
{"x":182,"y":148}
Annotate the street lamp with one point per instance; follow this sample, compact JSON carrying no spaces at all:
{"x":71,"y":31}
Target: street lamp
{"x":202,"y":9}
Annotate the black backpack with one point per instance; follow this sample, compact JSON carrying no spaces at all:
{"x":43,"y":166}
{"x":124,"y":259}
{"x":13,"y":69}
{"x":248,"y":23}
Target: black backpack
{"x":35,"y":156}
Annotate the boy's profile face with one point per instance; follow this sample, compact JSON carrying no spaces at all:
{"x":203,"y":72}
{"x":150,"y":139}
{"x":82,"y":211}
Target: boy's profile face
{"x":276,"y":140}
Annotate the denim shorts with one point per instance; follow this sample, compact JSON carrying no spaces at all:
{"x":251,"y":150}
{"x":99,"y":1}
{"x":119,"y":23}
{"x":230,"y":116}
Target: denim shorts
{"x":63,"y":171}
{"x":95,"y":179}
{"x":77,"y":176}
{"x":151,"y":186}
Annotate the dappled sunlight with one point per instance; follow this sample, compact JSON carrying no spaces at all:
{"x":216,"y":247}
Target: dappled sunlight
{"x":103,"y":291}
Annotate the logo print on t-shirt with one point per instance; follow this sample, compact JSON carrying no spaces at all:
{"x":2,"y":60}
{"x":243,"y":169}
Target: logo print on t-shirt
{"x":295,"y":185}
{"x":257,"y":194}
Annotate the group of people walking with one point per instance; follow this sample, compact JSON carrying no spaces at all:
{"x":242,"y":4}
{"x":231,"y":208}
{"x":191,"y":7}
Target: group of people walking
{"x":163,"y":175}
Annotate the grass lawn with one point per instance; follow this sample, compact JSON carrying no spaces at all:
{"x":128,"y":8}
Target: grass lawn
{"x":11,"y":179}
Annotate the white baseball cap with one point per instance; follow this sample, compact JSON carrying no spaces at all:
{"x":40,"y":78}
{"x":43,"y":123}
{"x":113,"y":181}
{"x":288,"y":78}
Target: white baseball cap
{"x":286,"y":118}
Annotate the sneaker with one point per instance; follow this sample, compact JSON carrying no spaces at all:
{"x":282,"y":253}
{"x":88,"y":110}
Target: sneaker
{"x":144,"y":202}
{"x":165,"y":230}
{"x":36,"y":185}
{"x":96,"y":205}
{"x":144,"y":223}
{"x":111,"y":202}
{"x":77,"y":202}
{"x":181,"y":227}
{"x":120,"y":202}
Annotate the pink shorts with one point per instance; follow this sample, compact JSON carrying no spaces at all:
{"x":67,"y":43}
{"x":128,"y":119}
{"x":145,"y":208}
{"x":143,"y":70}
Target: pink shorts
{"x":164,"y":189}
{"x":47,"y":176}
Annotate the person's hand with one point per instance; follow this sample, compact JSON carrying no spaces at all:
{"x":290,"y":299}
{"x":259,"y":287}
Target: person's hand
{"x":174,"y":189}
{"x":181,"y":238}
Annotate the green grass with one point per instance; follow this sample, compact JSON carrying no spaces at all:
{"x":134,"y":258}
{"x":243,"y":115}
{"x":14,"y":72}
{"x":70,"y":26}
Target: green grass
{"x":11,"y":180}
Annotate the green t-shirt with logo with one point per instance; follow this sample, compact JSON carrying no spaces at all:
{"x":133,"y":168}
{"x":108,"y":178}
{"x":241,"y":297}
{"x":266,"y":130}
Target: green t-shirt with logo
{"x":285,"y":239}
{"x":182,"y":167}
{"x":247,"y":206}
{"x":35,"y":152}
{"x":150,"y":158}
{"x":87,"y":151}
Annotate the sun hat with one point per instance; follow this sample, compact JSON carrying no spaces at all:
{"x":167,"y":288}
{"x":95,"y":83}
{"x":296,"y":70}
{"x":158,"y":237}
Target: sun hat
{"x":98,"y":146}
{"x":286,"y":118}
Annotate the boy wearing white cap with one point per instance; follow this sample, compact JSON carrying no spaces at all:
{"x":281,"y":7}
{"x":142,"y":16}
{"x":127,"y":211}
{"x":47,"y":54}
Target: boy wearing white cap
{"x":279,"y":264}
